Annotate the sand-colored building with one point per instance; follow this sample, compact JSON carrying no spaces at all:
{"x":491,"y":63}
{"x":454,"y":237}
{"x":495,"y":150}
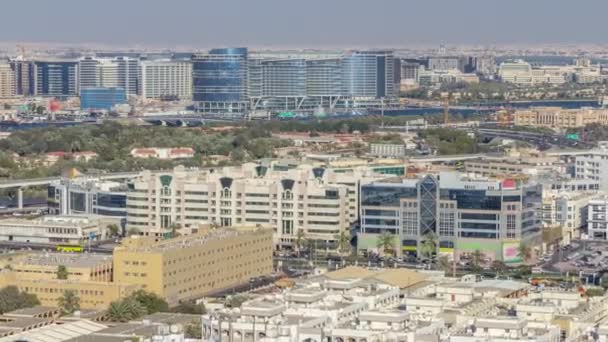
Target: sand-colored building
{"x":192,"y":266}
{"x":89,"y":275}
{"x":556,"y":117}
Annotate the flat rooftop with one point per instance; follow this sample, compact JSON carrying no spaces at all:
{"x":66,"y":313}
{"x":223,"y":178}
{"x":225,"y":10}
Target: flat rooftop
{"x":65,"y":259}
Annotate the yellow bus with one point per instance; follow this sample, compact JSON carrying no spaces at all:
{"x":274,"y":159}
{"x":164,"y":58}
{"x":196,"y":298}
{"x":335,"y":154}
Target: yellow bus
{"x":70,"y":248}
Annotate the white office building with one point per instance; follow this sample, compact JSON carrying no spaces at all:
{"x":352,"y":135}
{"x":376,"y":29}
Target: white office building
{"x":166,"y":79}
{"x":320,"y":202}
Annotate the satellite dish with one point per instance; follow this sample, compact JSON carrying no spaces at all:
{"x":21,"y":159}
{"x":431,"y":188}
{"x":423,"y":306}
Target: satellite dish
{"x":174,"y":329}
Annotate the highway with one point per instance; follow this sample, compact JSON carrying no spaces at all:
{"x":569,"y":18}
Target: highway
{"x":543,"y":141}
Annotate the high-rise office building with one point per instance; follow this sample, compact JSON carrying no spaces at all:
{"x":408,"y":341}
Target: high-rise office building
{"x":219,"y":80}
{"x":56,"y":78}
{"x":78,"y":197}
{"x":494,"y":217}
{"x":24,"y":77}
{"x":166,"y":80}
{"x":324,"y":77}
{"x":7,"y":80}
{"x":284,"y":78}
{"x":369,"y":74}
{"x":122,"y":72}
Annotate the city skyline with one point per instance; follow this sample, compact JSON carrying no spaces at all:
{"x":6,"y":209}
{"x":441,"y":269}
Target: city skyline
{"x":273,"y":23}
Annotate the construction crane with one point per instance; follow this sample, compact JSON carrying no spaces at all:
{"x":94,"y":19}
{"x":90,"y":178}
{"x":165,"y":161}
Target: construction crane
{"x":446,"y":109}
{"x":23,"y":51}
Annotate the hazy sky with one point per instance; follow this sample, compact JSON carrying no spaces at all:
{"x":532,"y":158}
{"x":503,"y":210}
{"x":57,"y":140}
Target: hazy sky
{"x":311,"y":23}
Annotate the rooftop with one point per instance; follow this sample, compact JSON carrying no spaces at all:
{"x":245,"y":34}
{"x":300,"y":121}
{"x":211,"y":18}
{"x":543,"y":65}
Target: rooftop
{"x":65,"y":259}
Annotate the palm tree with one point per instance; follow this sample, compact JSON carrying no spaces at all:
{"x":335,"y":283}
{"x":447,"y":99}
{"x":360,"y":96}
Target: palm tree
{"x":498,"y":267}
{"x":68,"y":302}
{"x":62,"y":272}
{"x":477,"y":257}
{"x":113,"y":229}
{"x":524,"y":252}
{"x":300,"y":238}
{"x":386,"y":243}
{"x":125,"y":310}
{"x":429,"y":245}
{"x":444,"y":263}
{"x":343,"y":240}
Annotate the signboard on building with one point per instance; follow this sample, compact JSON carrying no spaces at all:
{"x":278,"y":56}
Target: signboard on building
{"x":510,"y":252}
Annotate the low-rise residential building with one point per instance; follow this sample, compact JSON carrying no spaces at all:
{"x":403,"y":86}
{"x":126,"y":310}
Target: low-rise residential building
{"x":597,"y":218}
{"x":387,"y":150}
{"x":163,"y":153}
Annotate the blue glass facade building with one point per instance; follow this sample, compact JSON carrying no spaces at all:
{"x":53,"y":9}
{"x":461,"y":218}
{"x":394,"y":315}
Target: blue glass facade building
{"x":56,"y":78}
{"x":369,"y":74}
{"x":101,"y":98}
{"x":69,"y":198}
{"x":219,"y":79}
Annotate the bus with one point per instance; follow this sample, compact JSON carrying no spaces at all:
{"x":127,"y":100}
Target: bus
{"x":70,"y":248}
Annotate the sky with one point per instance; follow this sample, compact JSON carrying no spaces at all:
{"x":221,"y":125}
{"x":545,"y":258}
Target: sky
{"x":305,"y":23}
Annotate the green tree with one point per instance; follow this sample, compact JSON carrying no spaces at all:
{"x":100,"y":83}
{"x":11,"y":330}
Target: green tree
{"x":62,"y":272}
{"x":524,"y":252}
{"x":386,"y":243}
{"x":125,"y":310}
{"x":499,"y":267}
{"x":150,"y":301}
{"x":175,"y":227}
{"x":12,"y":299}
{"x":476,"y":259}
{"x":68,"y":302}
{"x":133,"y":231}
{"x":595,"y":292}
{"x":235,"y":301}
{"x":429,"y":245}
{"x":190,"y":308}
{"x":194,"y":330}
{"x":443,"y":263}
{"x":40,"y":110}
{"x":300,"y":239}
{"x":113,"y":229}
{"x":343,"y":240}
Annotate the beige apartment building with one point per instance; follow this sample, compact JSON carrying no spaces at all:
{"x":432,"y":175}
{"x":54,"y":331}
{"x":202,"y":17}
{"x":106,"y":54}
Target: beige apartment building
{"x":560,"y":118}
{"x":321,"y":202}
{"x":192,"y":266}
{"x":7,"y":81}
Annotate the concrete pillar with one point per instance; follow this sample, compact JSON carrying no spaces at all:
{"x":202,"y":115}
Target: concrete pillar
{"x":20,"y":198}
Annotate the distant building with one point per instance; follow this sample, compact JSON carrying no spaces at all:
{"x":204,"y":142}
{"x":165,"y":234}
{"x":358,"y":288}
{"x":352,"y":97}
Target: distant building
{"x":597,"y":218}
{"x":387,"y":150}
{"x":102,"y":98}
{"x":163,"y":153}
{"x":117,"y":72}
{"x":24,"y":77}
{"x":7,"y":81}
{"x":369,"y":74}
{"x":165,"y":80}
{"x":560,"y":118}
{"x":55,"y":78}
{"x":219,"y":80}
{"x":53,"y":157}
{"x":190,"y":267}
